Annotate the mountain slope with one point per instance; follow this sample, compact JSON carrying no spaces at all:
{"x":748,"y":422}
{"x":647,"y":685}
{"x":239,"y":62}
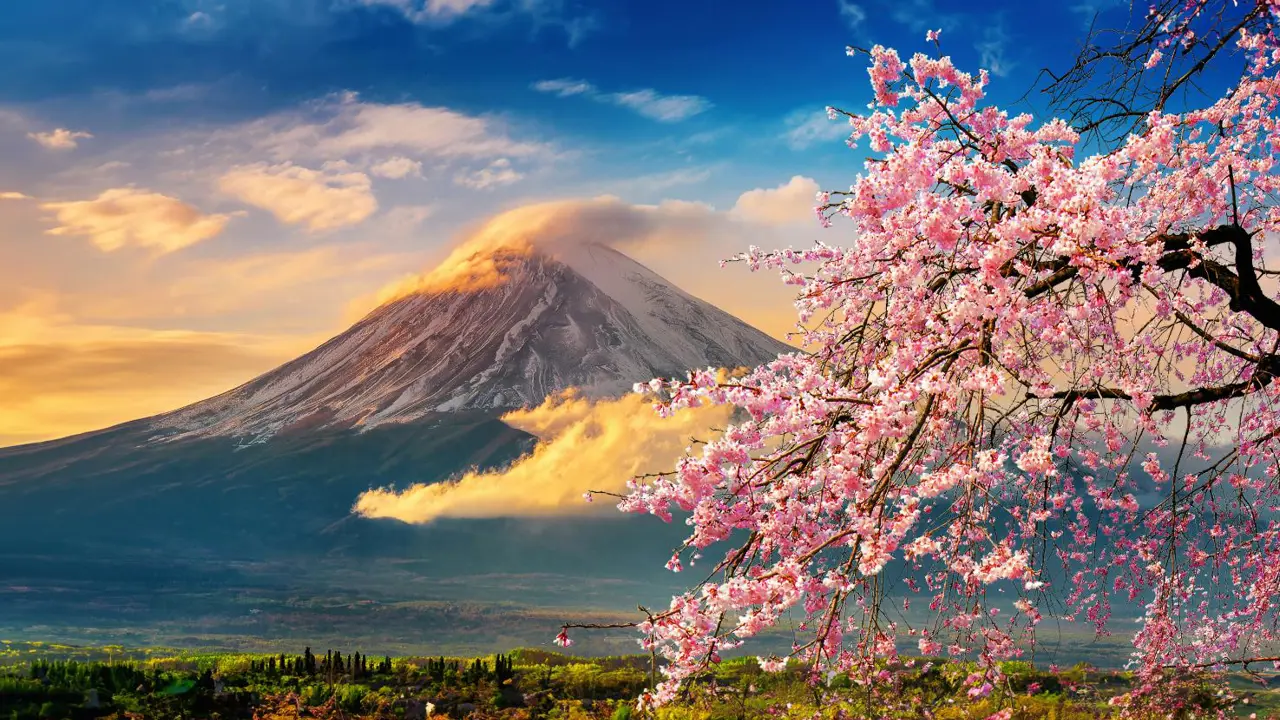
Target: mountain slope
{"x":589,"y":317}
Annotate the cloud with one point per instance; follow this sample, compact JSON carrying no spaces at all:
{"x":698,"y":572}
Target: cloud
{"x":789,"y":203}
{"x":853,"y":14}
{"x":583,"y":445}
{"x":404,"y":218}
{"x":657,"y":182}
{"x":565,"y":87}
{"x":647,"y":102}
{"x":541,"y":13}
{"x":60,"y":138}
{"x":13,"y":195}
{"x":664,"y":108}
{"x":806,"y":128}
{"x":129,"y":217}
{"x":681,"y":241}
{"x":60,"y":377}
{"x":991,"y":49}
{"x":397,"y":168}
{"x":317,"y":199}
{"x":342,"y":126}
{"x":1090,"y":10}
{"x":499,"y":172}
{"x":419,"y":11}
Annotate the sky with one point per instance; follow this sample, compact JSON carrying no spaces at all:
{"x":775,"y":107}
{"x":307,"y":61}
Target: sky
{"x":194,"y":191}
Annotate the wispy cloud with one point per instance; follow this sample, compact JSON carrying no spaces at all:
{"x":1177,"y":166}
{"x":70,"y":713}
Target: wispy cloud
{"x":499,"y":172}
{"x":130,"y":217}
{"x":853,"y":14}
{"x":421,"y":11}
{"x":991,"y":49}
{"x":60,"y":138}
{"x":342,"y":126}
{"x":565,"y":87}
{"x":316,"y":199}
{"x":397,"y":168}
{"x":1093,"y":8}
{"x":806,"y":128}
{"x":664,"y":108}
{"x":657,"y":182}
{"x":542,"y":13}
{"x":647,"y":102}
{"x":13,"y":195}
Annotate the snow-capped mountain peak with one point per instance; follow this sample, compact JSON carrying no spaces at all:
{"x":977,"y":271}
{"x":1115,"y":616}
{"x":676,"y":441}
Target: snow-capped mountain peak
{"x":495,"y":326}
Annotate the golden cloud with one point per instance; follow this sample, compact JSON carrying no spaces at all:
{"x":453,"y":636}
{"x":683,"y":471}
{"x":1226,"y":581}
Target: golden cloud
{"x":123,"y":217}
{"x":791,"y":202}
{"x":342,"y":126}
{"x":682,"y":241}
{"x":59,"y":377}
{"x":317,"y":199}
{"x":583,"y":445}
{"x":60,"y":138}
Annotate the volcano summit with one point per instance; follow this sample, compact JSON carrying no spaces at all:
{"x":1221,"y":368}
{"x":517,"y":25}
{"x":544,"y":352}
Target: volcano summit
{"x":492,"y":328}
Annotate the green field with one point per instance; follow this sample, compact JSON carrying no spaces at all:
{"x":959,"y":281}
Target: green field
{"x":49,"y":681}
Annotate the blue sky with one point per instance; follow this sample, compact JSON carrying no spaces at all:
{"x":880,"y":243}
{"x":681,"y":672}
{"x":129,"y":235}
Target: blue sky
{"x":196,"y":190}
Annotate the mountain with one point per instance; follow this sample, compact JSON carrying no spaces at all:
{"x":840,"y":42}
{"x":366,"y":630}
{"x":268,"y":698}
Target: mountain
{"x":587,"y":317}
{"x":173,"y":528}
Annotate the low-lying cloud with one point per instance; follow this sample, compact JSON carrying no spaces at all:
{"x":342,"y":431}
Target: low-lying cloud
{"x":583,"y":445}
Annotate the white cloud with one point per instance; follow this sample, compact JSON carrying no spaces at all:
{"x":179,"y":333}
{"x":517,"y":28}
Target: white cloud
{"x":806,"y":128}
{"x":60,"y":138}
{"x":565,"y":87}
{"x":647,"y":102}
{"x":664,"y":108}
{"x":344,"y":127}
{"x":499,"y":172}
{"x":419,"y":11}
{"x":540,"y":13}
{"x":853,"y":14}
{"x":123,"y":217}
{"x":657,"y":182}
{"x":318,"y":199}
{"x":792,"y":202}
{"x":397,"y":168}
{"x":13,"y":195}
{"x":991,"y":49}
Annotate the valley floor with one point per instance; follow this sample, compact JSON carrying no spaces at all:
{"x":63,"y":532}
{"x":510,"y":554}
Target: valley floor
{"x":43,"y":681}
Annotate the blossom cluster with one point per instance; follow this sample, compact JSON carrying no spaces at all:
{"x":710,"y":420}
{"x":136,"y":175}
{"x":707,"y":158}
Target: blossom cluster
{"x":999,"y":401}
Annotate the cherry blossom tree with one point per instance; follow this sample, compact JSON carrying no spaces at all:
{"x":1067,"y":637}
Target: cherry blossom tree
{"x":1040,"y":379}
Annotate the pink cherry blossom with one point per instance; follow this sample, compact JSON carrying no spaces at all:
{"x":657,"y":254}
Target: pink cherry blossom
{"x":1034,"y":375}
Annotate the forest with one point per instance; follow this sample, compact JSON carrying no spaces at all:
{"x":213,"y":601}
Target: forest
{"x":49,"y":682}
